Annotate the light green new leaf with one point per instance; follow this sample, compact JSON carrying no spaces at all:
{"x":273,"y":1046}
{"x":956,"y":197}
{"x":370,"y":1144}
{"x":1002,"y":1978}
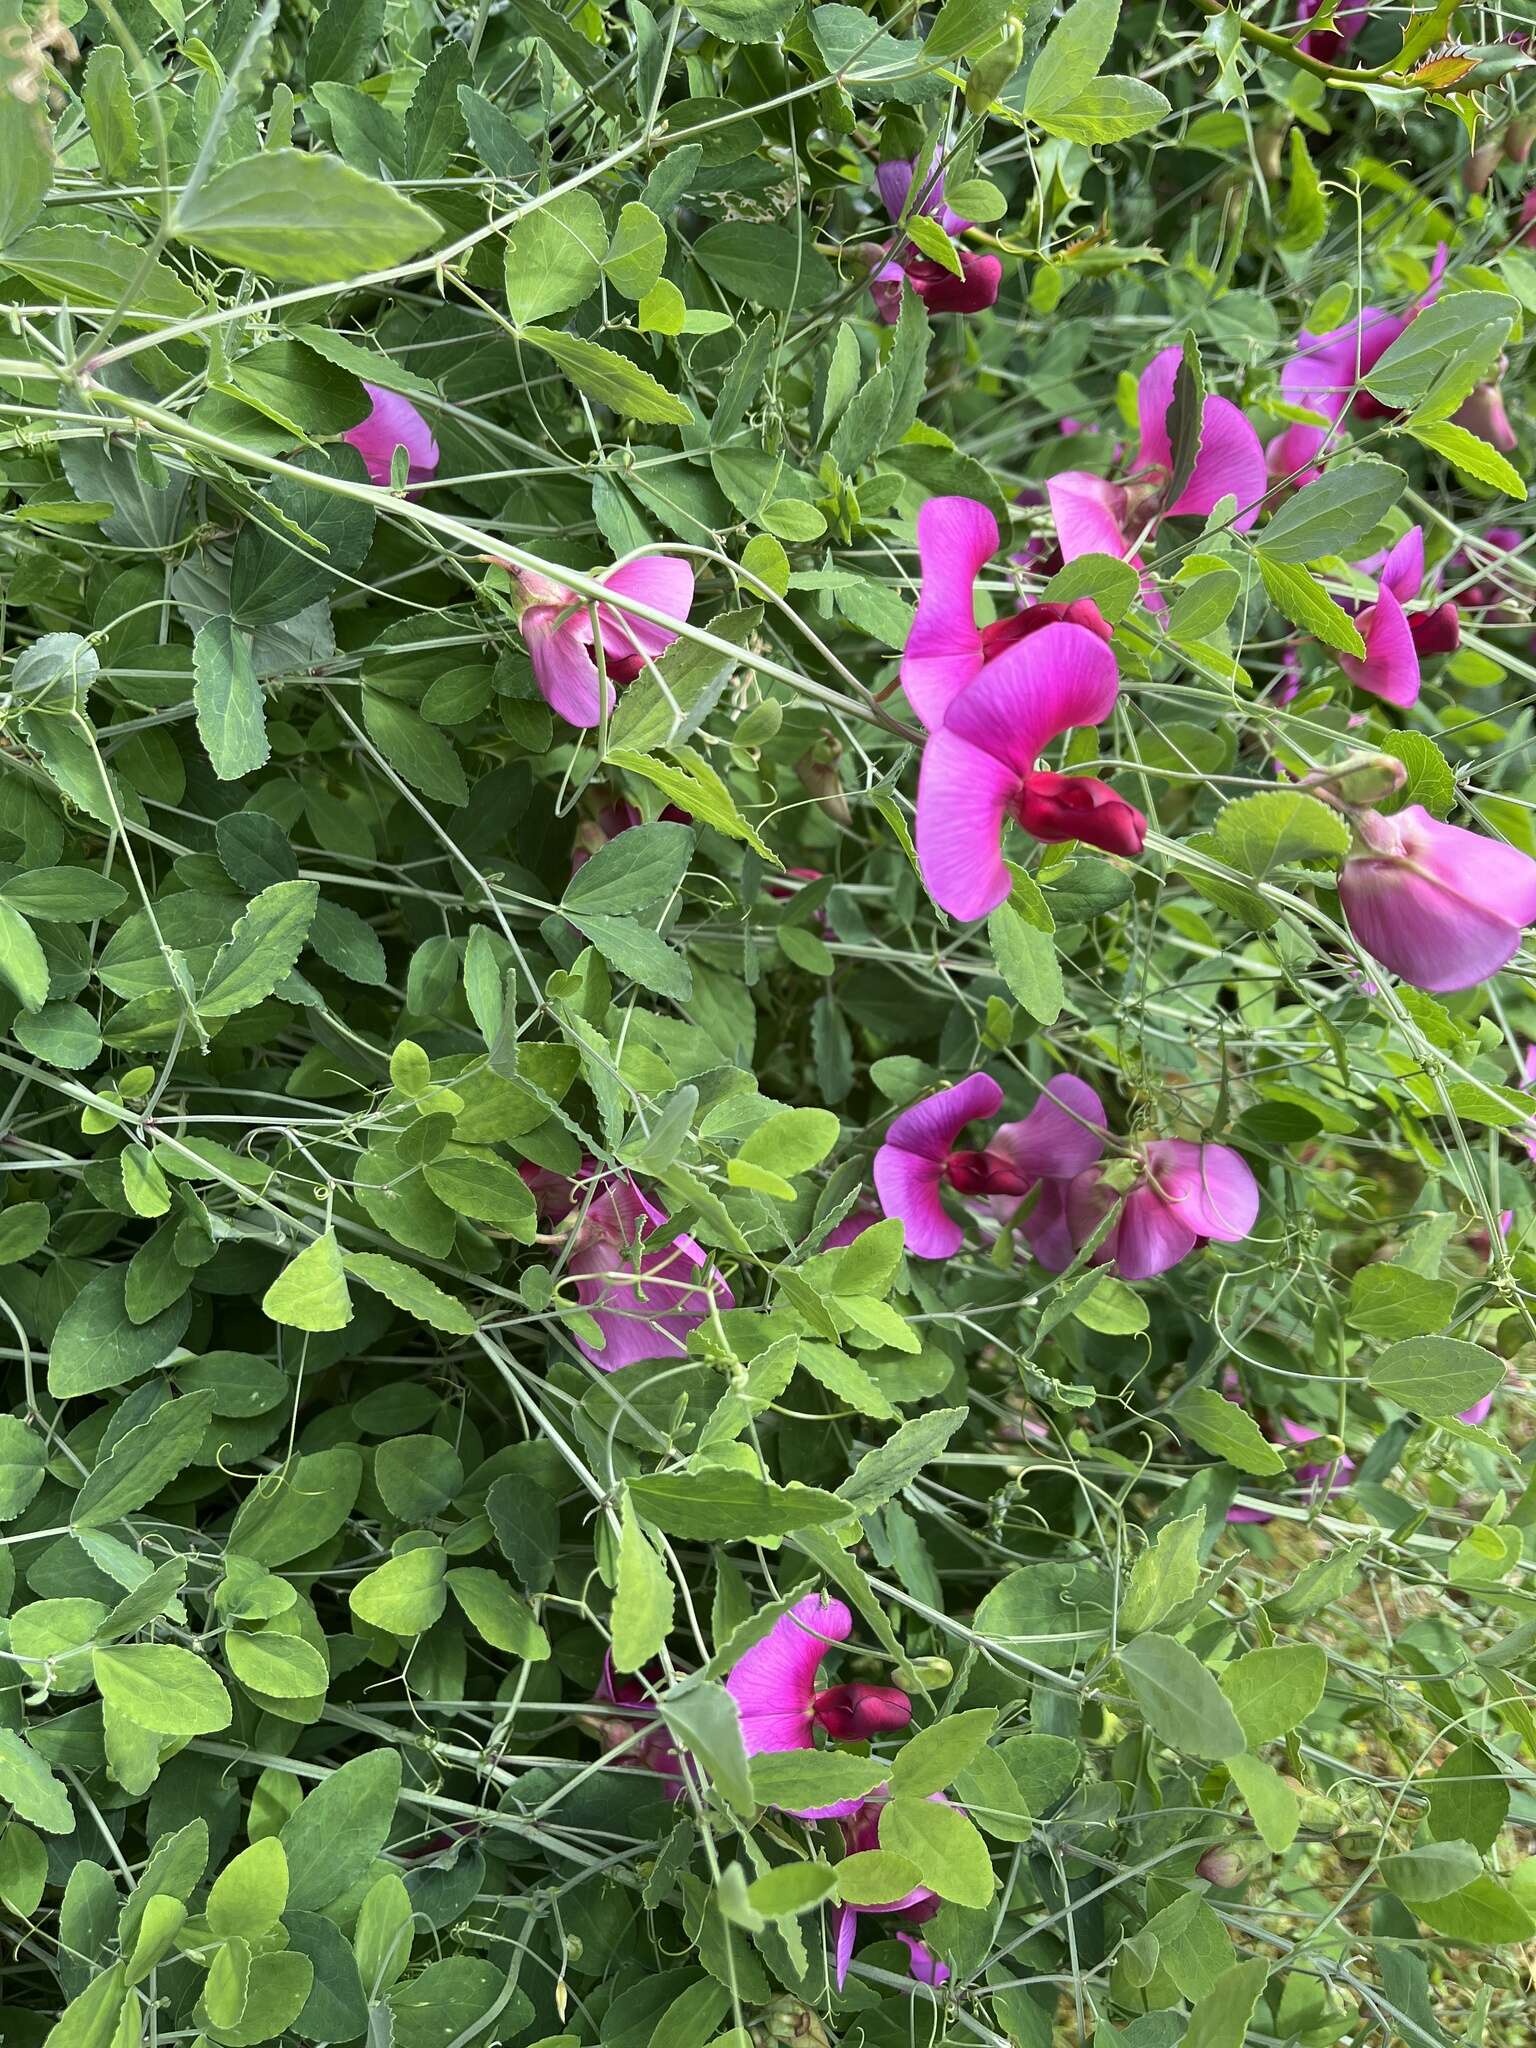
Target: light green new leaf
{"x":310,"y":1293}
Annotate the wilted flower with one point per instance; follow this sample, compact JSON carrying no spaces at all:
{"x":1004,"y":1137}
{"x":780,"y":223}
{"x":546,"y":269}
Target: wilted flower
{"x":940,"y":290}
{"x":946,"y":649}
{"x":393,"y":423}
{"x":1184,"y":1195}
{"x":646,"y":1303}
{"x":1440,"y":906}
{"x":1062,"y":1134}
{"x":979,"y":769}
{"x":556,"y":626}
{"x":780,"y":1704}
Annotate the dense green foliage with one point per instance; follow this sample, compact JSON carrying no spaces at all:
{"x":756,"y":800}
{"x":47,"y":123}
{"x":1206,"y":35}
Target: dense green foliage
{"x":385,"y":1054}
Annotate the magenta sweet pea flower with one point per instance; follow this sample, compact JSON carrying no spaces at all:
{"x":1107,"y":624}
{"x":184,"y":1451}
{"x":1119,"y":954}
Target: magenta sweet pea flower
{"x":1096,"y":517}
{"x":1482,"y":413}
{"x":780,"y":1704}
{"x":980,"y":768}
{"x":393,"y":423}
{"x":946,"y":649}
{"x":861,"y":1832}
{"x":1186,"y":1195}
{"x":1395,"y":641}
{"x":1062,"y":1134}
{"x":655,"y":1750}
{"x":1440,"y":906}
{"x":556,"y":626}
{"x":899,"y":263}
{"x":646,"y":1303}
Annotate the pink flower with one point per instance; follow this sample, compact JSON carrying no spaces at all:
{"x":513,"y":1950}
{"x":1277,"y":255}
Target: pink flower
{"x":946,"y":649}
{"x":1440,"y":906}
{"x":940,"y":290}
{"x":620,"y":815}
{"x":1061,"y":1135}
{"x":1482,"y":413}
{"x":1095,"y":517}
{"x":861,"y":1832}
{"x":1394,"y":641}
{"x":1528,"y":1080}
{"x":1186,"y":1195}
{"x":776,"y":1694}
{"x":646,"y":1303}
{"x":979,"y":769}
{"x":556,"y":626}
{"x":1527,"y":228}
{"x":393,"y":423}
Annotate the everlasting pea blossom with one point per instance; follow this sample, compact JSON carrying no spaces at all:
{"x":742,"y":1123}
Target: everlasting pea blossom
{"x":1095,"y":517}
{"x":556,"y":626}
{"x":393,"y":423}
{"x":1440,"y":906}
{"x":1330,"y":44}
{"x":939,"y":289}
{"x":646,"y":1304}
{"x":1062,"y":1134}
{"x":1394,"y":641}
{"x":774,"y":1685}
{"x":861,"y":1832}
{"x":655,"y":1750}
{"x":1186,"y":1194}
{"x":980,"y":768}
{"x":946,"y":649}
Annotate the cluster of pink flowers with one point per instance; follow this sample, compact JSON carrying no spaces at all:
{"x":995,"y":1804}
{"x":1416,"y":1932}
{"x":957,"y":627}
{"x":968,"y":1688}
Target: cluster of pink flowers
{"x":993,"y":699}
{"x":1179,"y":1193}
{"x":646,"y":1302}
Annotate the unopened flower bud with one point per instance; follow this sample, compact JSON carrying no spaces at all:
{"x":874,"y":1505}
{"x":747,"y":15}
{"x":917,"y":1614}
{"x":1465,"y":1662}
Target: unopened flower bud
{"x":1360,"y":779}
{"x":1224,"y":1866}
{"x":817,"y":769}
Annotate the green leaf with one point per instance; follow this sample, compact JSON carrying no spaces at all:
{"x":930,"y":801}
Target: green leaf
{"x":1306,"y":209}
{"x":406,"y":1594}
{"x":639,"y":868}
{"x":280,"y":1666}
{"x":1026,"y":959}
{"x":301,"y":538}
{"x":1274,"y":1806}
{"x":1435,"y":1375}
{"x":691,"y":783}
{"x":643,"y":1598}
{"x":91,"y":268}
{"x":1072,"y":56}
{"x":1226,"y":1431}
{"x":1303,"y":600}
{"x":1179,"y":1699}
{"x":23,"y":965}
{"x":311,"y":1291}
{"x":791,"y":1888}
{"x":766,"y":266}
{"x":1164,"y":1576}
{"x":486,"y":1188}
{"x":298,"y":1507}
{"x":332,"y":1838}
{"x":1432,"y":1871}
{"x":796,"y":1779}
{"x":409,"y":1288}
{"x":638,"y":952}
{"x":1481,"y":1915}
{"x":23,"y":1462}
{"x":637,"y":252}
{"x":262,"y":949}
{"x":792,"y":1142}
{"x":27,"y":1784}
{"x":143,"y":1461}
{"x":92,"y":2019}
{"x":1221,"y":2018}
{"x":1392,"y":1302}
{"x":945,"y":1846}
{"x":554,"y":256}
{"x":936,"y":1756}
{"x":1106,"y":110}
{"x":1468,"y":1798}
{"x":231,"y":709}
{"x":703,"y":1717}
{"x":882,"y":1473}
{"x":496,"y":1612}
{"x":1273,"y":1689}
{"x":302,"y":218}
{"x":613,"y":380}
{"x":26,"y":141}
{"x":1279,"y":829}
{"x":719,"y":1504}
{"x":97,"y":1346}
{"x":163,"y":1688}
{"x":250,"y":1892}
{"x":1329,"y":516}
{"x":1458,"y":335}
{"x":1470,"y":455}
